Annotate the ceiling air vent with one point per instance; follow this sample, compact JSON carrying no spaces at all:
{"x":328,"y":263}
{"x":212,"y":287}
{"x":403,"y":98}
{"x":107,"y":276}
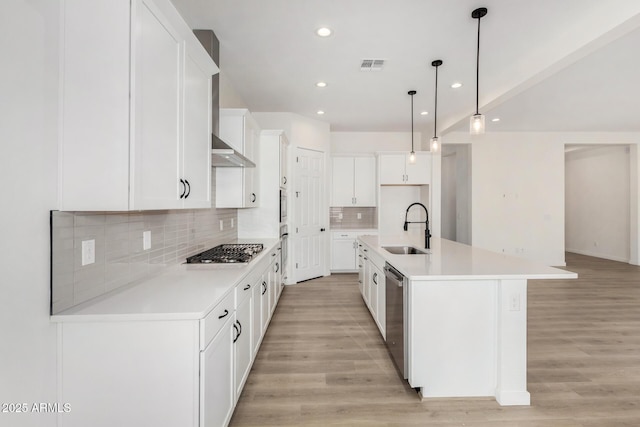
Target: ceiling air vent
{"x":371,"y":65}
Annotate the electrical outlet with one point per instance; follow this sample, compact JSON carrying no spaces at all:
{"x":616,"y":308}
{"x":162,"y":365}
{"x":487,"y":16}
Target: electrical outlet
{"x":232,"y":221}
{"x":146,"y":240}
{"x":514,"y":302}
{"x":88,"y":252}
{"x":221,"y":225}
{"x":359,"y":215}
{"x":340,"y":215}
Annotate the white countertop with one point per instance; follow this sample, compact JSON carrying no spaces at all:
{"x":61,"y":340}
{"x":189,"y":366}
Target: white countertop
{"x":450,"y":260}
{"x":183,"y":291}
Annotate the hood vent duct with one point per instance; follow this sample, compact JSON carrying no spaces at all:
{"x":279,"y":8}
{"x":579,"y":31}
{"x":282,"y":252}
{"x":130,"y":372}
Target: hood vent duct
{"x":222,"y":155}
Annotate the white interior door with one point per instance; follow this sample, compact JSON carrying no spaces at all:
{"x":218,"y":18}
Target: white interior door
{"x":309,"y":236}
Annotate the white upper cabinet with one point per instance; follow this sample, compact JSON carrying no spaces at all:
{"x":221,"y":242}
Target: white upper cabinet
{"x":395,"y":168}
{"x":239,"y":187}
{"x":284,"y":167}
{"x":353,"y":181}
{"x":136,"y":108}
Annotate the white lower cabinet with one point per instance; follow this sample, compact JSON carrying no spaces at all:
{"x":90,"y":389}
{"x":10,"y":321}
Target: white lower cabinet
{"x":166,"y":373}
{"x":217,"y":386}
{"x":371,"y":280}
{"x":243,"y":340}
{"x":344,"y":249}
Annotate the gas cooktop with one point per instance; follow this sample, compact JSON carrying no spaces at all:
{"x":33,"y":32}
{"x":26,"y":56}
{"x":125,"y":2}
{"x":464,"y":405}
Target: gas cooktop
{"x":240,"y":253}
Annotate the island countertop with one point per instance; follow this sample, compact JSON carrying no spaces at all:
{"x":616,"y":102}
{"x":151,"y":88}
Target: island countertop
{"x":449,"y":260}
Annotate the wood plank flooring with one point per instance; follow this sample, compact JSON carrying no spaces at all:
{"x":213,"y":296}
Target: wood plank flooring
{"x":323,"y":361}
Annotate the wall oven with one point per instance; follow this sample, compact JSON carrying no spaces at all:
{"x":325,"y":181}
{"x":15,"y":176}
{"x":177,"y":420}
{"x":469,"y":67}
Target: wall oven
{"x":283,"y":206}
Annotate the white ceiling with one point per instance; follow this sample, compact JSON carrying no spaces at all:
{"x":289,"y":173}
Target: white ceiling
{"x":545,"y":65}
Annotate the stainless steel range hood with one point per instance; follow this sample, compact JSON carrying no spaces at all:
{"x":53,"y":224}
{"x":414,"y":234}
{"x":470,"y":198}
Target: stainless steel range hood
{"x":223,"y":156}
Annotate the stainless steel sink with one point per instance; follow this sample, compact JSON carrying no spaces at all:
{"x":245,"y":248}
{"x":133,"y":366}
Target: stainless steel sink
{"x":404,"y":250}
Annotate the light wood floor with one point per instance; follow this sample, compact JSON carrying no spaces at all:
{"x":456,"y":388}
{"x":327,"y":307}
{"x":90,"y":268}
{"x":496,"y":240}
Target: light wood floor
{"x":323,"y":362}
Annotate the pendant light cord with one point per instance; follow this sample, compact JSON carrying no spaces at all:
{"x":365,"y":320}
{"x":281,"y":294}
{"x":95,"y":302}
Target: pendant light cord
{"x":412,"y":123}
{"x":478,"y":68}
{"x":435,"y":118}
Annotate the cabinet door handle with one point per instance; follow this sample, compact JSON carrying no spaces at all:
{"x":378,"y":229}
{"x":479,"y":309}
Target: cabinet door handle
{"x":188,"y":189}
{"x":277,"y":267}
{"x":322,"y":229}
{"x":246,"y":288}
{"x":264,"y":287}
{"x":253,"y":197}
{"x":237,"y":334}
{"x":239,"y":327}
{"x":284,"y":180}
{"x":375,"y":278}
{"x":184,"y":188}
{"x":223,"y":315}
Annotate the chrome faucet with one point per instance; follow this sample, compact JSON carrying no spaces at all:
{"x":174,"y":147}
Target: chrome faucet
{"x":427,"y":233}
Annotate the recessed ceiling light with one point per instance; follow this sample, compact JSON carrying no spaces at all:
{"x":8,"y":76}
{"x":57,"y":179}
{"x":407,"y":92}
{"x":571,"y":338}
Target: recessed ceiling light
{"x":321,"y":84}
{"x":456,"y":85}
{"x":424,"y":113}
{"x":497,"y":119}
{"x":323,"y":32}
{"x":320,"y":112}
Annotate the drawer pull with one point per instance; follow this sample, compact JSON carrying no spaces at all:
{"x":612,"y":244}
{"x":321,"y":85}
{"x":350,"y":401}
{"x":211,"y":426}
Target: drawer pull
{"x":246,"y":288}
{"x":225,"y":314}
{"x":264,"y":287}
{"x":237,"y":333}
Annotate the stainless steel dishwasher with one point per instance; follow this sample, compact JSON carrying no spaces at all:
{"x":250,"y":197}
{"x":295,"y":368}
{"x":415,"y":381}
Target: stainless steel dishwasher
{"x":395,"y":329}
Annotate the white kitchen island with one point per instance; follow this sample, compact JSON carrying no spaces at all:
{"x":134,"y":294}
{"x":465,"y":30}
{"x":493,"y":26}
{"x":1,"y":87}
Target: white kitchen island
{"x":465,"y":316}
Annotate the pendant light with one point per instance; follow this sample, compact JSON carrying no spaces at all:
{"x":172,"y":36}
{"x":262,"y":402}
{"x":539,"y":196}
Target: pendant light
{"x":412,"y":156}
{"x":435,"y":143}
{"x":476,"y":125}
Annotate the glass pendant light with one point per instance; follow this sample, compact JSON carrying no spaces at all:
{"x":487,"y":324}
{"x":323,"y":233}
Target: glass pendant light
{"x":412,"y":155}
{"x":435,"y":143}
{"x":476,"y":124}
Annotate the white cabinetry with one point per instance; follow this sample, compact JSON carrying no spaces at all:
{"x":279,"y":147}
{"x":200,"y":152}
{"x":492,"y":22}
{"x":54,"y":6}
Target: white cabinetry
{"x":353,"y":181}
{"x":136,"y":135}
{"x":344,"y":250}
{"x":167,"y":372}
{"x":396,"y":169}
{"x":239,"y":187}
{"x":284,"y":166}
{"x":217,"y":389}
{"x":264,"y":220}
{"x":372,"y":283}
{"x":243,"y":340}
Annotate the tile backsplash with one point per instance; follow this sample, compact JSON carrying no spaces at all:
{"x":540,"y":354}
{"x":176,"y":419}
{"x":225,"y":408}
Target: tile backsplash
{"x":347,"y":217}
{"x":119,"y":255}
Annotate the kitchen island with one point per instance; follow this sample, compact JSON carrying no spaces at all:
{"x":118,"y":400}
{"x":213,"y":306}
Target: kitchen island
{"x":465,"y":315}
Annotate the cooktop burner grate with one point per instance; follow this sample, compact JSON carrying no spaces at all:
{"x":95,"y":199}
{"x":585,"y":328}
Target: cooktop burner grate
{"x":227,"y":253}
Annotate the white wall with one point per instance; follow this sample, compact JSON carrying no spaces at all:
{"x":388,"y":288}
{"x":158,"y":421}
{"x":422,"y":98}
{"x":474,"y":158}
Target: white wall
{"x":456,"y":192}
{"x":517,"y":199}
{"x":518,"y":179}
{"x":229,"y":96}
{"x":28,"y":167}
{"x":370,"y":142}
{"x":597,"y":202}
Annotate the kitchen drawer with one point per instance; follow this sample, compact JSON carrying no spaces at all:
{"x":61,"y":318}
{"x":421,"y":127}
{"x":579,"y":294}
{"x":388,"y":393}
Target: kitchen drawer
{"x":274,"y":254}
{"x":213,"y":322}
{"x":375,"y":259}
{"x":340,"y":235}
{"x":245,"y":287}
